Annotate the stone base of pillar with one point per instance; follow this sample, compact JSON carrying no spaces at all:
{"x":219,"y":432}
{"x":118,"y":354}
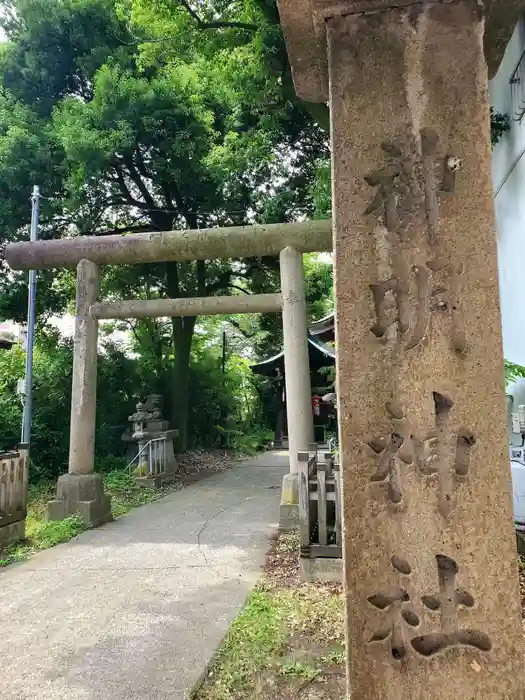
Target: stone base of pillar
{"x":12,"y":533}
{"x":289,"y":508}
{"x":82,"y":495}
{"x":155,"y":481}
{"x":321,"y":570}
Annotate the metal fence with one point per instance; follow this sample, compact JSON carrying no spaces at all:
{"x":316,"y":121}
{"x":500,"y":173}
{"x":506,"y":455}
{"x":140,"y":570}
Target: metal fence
{"x":319,"y":506}
{"x":13,"y":486}
{"x":151,"y":457}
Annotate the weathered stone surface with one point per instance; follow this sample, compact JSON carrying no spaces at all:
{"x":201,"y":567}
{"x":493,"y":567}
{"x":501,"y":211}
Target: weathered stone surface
{"x":288,"y":517}
{"x":321,"y":570}
{"x":289,"y":507}
{"x":12,"y":533}
{"x":304,"y":31}
{"x":430,"y":552}
{"x":296,"y":359}
{"x":209,"y":306}
{"x":84,"y":386}
{"x":205,"y":244}
{"x":83,"y":495}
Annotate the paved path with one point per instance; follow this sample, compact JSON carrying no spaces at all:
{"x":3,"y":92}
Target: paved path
{"x":135,"y":609}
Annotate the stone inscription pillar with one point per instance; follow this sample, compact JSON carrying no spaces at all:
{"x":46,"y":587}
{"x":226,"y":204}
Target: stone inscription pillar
{"x":430,"y":553}
{"x":297,"y":378}
{"x":80,"y":491}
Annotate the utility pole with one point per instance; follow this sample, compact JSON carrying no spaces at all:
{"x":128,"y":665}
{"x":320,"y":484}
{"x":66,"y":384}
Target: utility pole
{"x":31,"y":317}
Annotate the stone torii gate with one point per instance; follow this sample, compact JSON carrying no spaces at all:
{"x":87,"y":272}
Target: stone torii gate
{"x":81,"y":490}
{"x":430,"y":555}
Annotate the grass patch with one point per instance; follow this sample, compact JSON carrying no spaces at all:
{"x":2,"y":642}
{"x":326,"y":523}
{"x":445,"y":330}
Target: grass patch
{"x":126,"y":494}
{"x":299,"y":669}
{"x":42,"y":533}
{"x":287,"y":639}
{"x":255,"y":637}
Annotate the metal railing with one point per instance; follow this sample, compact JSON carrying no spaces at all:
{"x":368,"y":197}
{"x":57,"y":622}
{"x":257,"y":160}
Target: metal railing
{"x":517,"y":90}
{"x":13,"y":486}
{"x":152,"y":456}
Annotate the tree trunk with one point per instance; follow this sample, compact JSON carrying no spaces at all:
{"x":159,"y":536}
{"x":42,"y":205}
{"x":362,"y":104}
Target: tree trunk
{"x":182,"y":329}
{"x":182,"y":338}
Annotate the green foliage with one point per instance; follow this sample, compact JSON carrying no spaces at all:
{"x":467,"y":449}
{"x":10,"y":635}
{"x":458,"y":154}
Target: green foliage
{"x":118,"y":379}
{"x":322,"y":191}
{"x":513,"y":372}
{"x":257,"y":439}
{"x":53,"y":532}
{"x":126,"y":494}
{"x":499,"y":125}
{"x":222,"y":401}
{"x":319,"y":286}
{"x":299,"y":669}
{"x":279,"y":615}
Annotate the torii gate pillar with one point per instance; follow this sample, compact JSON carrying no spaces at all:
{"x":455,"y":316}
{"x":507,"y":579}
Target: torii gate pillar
{"x":430,"y":558}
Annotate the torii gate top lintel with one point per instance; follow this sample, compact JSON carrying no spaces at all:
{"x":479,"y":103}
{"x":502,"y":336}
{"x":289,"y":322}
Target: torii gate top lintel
{"x":202,"y":244}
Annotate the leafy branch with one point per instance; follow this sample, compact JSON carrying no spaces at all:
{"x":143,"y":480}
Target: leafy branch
{"x":513,"y":372}
{"x":499,"y":125}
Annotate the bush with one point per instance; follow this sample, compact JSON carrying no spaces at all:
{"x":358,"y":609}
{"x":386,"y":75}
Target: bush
{"x":118,"y":379}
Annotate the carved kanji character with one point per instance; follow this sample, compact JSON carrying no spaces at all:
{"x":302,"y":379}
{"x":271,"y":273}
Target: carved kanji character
{"x":387,"y":296}
{"x":433,"y":296}
{"x":429,"y":145}
{"x":445,"y":453}
{"x":395,"y":450}
{"x":399,"y":615}
{"x":397,"y":190}
{"x":437,"y":296}
{"x":446,"y":601}
{"x":442,"y":452}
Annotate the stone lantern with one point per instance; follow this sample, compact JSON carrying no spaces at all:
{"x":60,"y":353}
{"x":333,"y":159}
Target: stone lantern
{"x":151,"y":441}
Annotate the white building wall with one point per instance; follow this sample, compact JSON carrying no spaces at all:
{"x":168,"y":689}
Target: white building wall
{"x":509,"y":197}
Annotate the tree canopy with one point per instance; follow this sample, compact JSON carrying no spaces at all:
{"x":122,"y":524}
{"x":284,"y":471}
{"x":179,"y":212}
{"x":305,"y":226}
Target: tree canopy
{"x":134,"y":116}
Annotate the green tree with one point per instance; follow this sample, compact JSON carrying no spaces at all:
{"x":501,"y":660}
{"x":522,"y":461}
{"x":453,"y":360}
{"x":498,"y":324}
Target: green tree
{"x":200,"y":135}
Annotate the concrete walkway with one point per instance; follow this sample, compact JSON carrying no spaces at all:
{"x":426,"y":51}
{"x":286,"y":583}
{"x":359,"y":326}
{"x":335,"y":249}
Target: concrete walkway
{"x":136,"y":609}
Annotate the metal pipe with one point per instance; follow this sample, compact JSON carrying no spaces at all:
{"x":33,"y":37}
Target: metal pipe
{"x":204,"y":244}
{"x":31,"y":320}
{"x":171,"y":308}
